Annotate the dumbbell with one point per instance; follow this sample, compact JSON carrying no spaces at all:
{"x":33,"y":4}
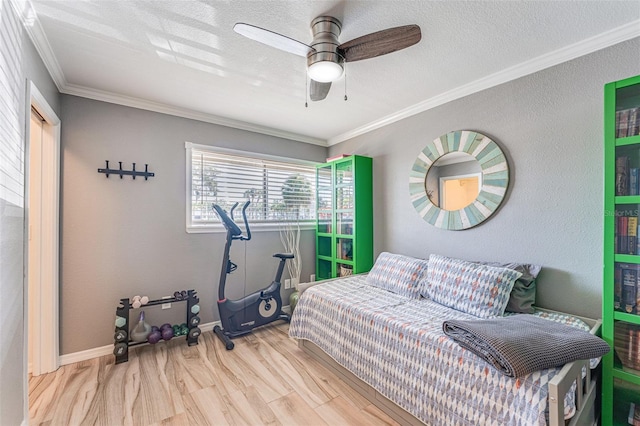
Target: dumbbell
{"x":194,"y":321}
{"x":120,"y":321}
{"x":138,"y":301}
{"x":180,"y":295}
{"x":194,"y":333}
{"x":120,"y":336}
{"x":167,"y":333}
{"x":184,"y":329}
{"x":154,"y":337}
{"x":120,"y":349}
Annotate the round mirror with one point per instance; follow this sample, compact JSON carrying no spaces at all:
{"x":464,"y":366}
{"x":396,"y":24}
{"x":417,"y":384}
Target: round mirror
{"x":459,"y":180}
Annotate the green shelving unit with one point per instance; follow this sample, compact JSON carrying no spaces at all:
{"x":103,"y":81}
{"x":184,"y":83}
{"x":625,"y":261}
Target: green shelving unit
{"x":621,"y":283}
{"x":344,"y":225}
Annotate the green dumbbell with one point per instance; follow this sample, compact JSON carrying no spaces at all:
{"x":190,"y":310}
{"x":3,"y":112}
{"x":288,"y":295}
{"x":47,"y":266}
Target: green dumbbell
{"x":195,"y":309}
{"x":120,"y":321}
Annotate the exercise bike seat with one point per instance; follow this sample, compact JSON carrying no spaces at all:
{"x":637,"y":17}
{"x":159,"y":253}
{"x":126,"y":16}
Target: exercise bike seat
{"x":284,"y":255}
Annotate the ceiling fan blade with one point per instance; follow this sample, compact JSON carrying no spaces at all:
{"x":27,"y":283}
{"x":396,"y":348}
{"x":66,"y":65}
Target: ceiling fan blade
{"x":319,"y":91}
{"x":380,"y":43}
{"x":272,"y":39}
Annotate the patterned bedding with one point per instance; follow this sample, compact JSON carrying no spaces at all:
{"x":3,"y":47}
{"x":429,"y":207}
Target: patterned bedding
{"x":397,"y":346}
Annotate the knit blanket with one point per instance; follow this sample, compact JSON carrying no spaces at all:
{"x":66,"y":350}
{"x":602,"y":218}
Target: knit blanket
{"x":521,"y":344}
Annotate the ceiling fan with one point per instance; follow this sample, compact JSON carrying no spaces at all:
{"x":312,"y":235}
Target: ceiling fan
{"x":325,"y":55}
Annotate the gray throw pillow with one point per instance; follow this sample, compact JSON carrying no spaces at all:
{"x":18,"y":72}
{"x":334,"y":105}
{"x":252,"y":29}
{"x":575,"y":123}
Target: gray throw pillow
{"x":523,"y":294}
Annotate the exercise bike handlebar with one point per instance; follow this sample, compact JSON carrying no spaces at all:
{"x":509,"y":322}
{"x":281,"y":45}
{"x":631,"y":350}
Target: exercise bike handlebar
{"x":246,"y":222}
{"x":230,"y":224}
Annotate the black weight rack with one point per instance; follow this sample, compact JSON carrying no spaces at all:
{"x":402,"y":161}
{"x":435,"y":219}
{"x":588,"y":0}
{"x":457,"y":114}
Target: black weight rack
{"x":121,"y":337}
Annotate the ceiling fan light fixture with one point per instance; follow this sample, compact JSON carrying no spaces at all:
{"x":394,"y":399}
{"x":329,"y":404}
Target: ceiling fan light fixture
{"x":325,"y":54}
{"x":325,"y":71}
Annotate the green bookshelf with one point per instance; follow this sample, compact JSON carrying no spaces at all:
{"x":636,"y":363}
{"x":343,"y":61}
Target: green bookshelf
{"x":344,"y":225}
{"x":621,"y":282}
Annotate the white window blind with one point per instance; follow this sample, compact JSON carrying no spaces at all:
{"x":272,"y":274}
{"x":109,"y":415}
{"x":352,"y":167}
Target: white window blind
{"x":280,"y":190}
{"x":11,"y":108}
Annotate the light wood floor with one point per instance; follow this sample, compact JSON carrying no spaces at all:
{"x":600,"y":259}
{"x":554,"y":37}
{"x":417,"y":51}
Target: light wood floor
{"x":265,"y":380}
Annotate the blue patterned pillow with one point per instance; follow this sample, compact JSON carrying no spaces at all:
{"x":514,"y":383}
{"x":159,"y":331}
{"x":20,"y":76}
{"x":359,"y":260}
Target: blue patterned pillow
{"x":398,"y":274}
{"x":476,"y":289}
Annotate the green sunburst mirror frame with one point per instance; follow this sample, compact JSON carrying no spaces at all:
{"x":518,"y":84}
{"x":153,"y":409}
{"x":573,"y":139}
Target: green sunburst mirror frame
{"x":495,"y":180}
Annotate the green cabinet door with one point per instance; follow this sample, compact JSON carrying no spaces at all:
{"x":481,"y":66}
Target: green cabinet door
{"x":344,"y":225}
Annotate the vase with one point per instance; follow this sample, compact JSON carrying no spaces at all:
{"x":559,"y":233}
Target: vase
{"x":293,"y":300}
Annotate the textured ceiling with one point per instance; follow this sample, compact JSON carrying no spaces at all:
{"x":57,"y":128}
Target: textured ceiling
{"x":184,"y":56}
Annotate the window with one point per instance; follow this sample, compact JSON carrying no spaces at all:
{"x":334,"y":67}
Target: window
{"x":280,"y":190}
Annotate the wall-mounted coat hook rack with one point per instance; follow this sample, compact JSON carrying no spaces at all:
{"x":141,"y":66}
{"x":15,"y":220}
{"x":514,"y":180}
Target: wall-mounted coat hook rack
{"x":147,"y":174}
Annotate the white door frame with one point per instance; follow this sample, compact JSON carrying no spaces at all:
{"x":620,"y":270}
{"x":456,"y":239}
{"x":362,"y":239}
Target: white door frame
{"x":45,"y":326}
{"x":441,"y":185}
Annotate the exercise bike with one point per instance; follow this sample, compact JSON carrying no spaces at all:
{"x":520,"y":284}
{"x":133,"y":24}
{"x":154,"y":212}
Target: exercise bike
{"x":240,"y":317}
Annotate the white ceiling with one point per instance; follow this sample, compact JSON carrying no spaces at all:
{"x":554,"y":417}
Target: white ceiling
{"x":183,"y":57}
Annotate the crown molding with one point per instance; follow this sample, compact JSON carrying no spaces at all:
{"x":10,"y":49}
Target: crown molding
{"x":114,"y":98}
{"x":581,"y":48}
{"x":32,"y":26}
{"x":36,"y":33}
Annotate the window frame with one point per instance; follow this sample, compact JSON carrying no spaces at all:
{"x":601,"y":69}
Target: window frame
{"x":217,"y":227}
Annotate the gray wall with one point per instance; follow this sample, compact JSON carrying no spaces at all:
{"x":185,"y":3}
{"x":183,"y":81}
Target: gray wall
{"x":18,"y":63}
{"x":124,"y":237}
{"x":550,"y":126}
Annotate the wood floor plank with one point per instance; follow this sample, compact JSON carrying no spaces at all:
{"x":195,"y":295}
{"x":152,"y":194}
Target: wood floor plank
{"x":153,"y":400}
{"x":109,"y":395}
{"x":265,"y":380}
{"x":206,"y":407}
{"x":171,"y":374}
{"x":376,"y":416}
{"x":260,"y":407}
{"x":339,"y":411}
{"x":229,"y":379}
{"x":42,"y":400}
{"x":312,"y":388}
{"x":177,"y":420}
{"x":80,"y":389}
{"x":191,"y":372}
{"x":292,"y":410}
{"x":325,"y":380}
{"x":249,"y":409}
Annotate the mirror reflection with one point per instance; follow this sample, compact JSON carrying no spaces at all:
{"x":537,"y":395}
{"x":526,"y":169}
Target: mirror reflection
{"x":454,"y":181}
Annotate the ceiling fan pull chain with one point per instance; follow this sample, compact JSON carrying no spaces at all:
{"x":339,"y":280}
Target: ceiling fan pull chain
{"x":345,"y":82}
{"x":306,"y":90}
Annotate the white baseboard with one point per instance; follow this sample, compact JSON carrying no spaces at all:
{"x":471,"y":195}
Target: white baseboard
{"x":108,"y":349}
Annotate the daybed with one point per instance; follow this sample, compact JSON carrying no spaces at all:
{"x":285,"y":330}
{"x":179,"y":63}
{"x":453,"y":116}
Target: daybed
{"x":384,"y":337}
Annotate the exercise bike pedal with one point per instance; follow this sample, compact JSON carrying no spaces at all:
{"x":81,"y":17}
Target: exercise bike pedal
{"x":284,"y":316}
